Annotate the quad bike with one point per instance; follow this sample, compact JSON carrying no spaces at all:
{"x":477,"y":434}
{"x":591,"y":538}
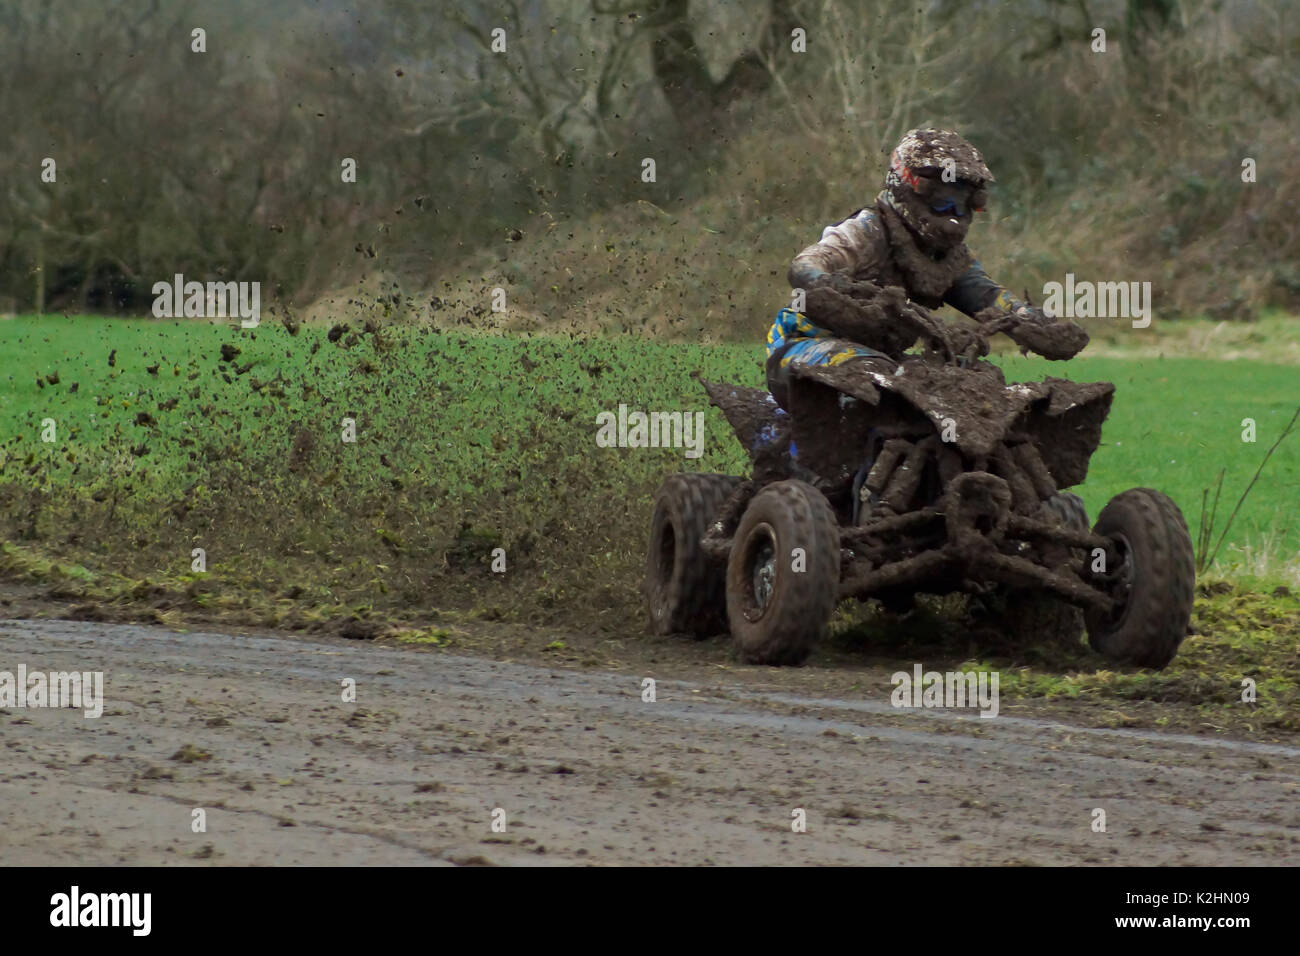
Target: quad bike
{"x":934,"y":477}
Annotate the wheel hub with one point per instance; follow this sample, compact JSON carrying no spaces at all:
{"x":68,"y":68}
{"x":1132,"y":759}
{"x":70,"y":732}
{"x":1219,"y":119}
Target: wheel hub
{"x":764,"y":573}
{"x":1121,"y":583}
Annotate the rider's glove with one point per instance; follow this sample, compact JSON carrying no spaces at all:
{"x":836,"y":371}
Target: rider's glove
{"x":1029,"y":313}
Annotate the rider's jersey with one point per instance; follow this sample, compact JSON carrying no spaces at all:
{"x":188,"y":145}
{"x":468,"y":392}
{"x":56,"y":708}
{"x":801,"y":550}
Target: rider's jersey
{"x":857,"y":247}
{"x":795,"y":337}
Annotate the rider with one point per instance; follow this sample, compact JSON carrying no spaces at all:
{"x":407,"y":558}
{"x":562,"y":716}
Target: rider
{"x":912,"y":237}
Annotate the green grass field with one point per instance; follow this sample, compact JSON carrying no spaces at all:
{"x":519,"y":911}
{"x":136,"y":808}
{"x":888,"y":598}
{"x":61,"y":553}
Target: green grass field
{"x":464,"y":440}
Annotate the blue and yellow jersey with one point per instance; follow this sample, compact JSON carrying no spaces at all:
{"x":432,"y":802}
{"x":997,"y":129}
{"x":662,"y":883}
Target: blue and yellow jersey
{"x":795,"y":336}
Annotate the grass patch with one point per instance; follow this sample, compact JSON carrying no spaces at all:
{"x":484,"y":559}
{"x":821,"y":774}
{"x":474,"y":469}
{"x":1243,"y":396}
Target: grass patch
{"x":431,"y":636}
{"x":1240,"y":634}
{"x":172,"y":436}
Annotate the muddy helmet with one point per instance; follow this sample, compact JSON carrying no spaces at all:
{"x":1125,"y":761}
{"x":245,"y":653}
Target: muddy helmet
{"x":929,"y":152}
{"x":935,"y":180}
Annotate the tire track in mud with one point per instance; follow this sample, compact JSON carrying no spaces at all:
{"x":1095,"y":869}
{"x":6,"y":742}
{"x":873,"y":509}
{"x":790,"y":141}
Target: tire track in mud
{"x":585,"y":771}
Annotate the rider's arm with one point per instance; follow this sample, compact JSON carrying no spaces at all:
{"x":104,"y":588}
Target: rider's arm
{"x":844,"y":247}
{"x":974,"y":290}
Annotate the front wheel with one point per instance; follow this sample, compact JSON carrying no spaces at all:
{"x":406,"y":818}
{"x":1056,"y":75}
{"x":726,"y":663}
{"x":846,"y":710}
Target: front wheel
{"x":1153,"y":585}
{"x":783,"y":574}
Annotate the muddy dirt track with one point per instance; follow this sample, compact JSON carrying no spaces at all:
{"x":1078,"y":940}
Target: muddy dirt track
{"x":585,"y":770}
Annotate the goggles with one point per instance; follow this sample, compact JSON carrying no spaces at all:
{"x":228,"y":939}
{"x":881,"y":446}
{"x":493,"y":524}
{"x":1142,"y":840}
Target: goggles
{"x":954,"y":199}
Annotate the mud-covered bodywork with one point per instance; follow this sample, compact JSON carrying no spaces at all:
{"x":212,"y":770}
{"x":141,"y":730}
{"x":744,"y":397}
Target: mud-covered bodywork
{"x":939,"y":473}
{"x":974,"y":409}
{"x":882,"y":473}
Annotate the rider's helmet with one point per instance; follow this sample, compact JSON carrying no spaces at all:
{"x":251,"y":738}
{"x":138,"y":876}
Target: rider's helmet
{"x":936,"y":182}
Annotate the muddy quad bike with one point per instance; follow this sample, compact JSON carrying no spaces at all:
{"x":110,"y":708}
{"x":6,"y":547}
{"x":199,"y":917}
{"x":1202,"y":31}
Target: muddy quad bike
{"x":935,"y":476}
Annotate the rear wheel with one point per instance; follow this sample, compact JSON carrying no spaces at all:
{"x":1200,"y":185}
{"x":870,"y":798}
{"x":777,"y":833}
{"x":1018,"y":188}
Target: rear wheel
{"x":1154,"y":582}
{"x":1070,"y":508}
{"x":1035,"y":617}
{"x":683,"y":586}
{"x":783,"y":574}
